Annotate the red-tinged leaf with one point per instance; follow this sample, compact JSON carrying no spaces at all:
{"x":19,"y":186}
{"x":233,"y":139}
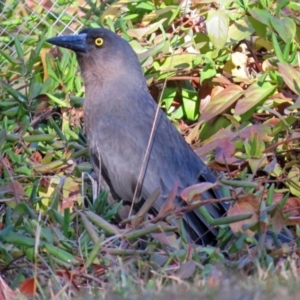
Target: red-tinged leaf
{"x":36,"y":157}
{"x":263,"y":132}
{"x":290,"y":76}
{"x":204,"y":102}
{"x":251,"y":199}
{"x":285,"y":27}
{"x":213,"y":142}
{"x":67,"y":277}
{"x":14,"y":188}
{"x":221,"y":102}
{"x":254,"y":95}
{"x":194,"y":192}
{"x":186,"y":270}
{"x":219,"y":168}
{"x":225,"y":151}
{"x":167,"y":238}
{"x":272,"y":122}
{"x":215,"y":91}
{"x":240,"y":208}
{"x":277,"y":220}
{"x":6,"y":293}
{"x":292,"y":206}
{"x":169,"y":204}
{"x":28,"y":287}
{"x":99,"y":269}
{"x":217,"y":25}
{"x":222,"y":80}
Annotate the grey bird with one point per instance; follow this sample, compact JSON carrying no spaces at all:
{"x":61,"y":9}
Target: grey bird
{"x":119,"y":114}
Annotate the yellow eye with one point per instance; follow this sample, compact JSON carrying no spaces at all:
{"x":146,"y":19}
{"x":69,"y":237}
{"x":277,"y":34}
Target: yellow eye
{"x":99,"y":41}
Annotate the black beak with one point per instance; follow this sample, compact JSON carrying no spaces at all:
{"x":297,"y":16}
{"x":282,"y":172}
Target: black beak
{"x":76,"y":42}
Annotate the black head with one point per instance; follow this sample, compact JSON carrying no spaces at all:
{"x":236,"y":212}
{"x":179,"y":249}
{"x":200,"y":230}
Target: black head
{"x":100,"y":51}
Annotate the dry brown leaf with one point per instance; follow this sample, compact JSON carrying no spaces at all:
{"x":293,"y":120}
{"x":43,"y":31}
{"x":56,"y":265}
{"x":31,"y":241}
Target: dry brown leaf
{"x":277,"y":220}
{"x":222,"y":80}
{"x":250,"y":199}
{"x":36,"y":157}
{"x":194,"y":191}
{"x":240,"y":208}
{"x":14,"y":188}
{"x":292,"y":205}
{"x":71,"y":194}
{"x":66,"y":277}
{"x":167,"y":238}
{"x":43,"y":54}
{"x":169,"y":204}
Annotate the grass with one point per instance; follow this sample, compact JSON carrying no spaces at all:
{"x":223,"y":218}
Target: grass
{"x":233,"y":93}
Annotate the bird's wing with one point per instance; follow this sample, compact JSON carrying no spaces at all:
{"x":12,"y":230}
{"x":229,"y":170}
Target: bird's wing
{"x":175,"y":161}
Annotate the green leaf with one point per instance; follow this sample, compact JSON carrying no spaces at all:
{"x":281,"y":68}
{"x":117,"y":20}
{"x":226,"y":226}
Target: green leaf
{"x":259,"y":27}
{"x":209,"y":70}
{"x":24,"y":170}
{"x":58,"y":101}
{"x":290,"y":76}
{"x":59,"y":253}
{"x":293,"y":183}
{"x":217,"y":26}
{"x":239,"y":30}
{"x":221,"y":102}
{"x":285,"y":27}
{"x":19,"y":49}
{"x":261,"y":15}
{"x":280,"y":5}
{"x":254,"y":95}
{"x":9,"y":58}
{"x":190,"y":104}
{"x":138,"y":33}
{"x":17,"y":95}
{"x":277,"y":48}
{"x":168,"y":97}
